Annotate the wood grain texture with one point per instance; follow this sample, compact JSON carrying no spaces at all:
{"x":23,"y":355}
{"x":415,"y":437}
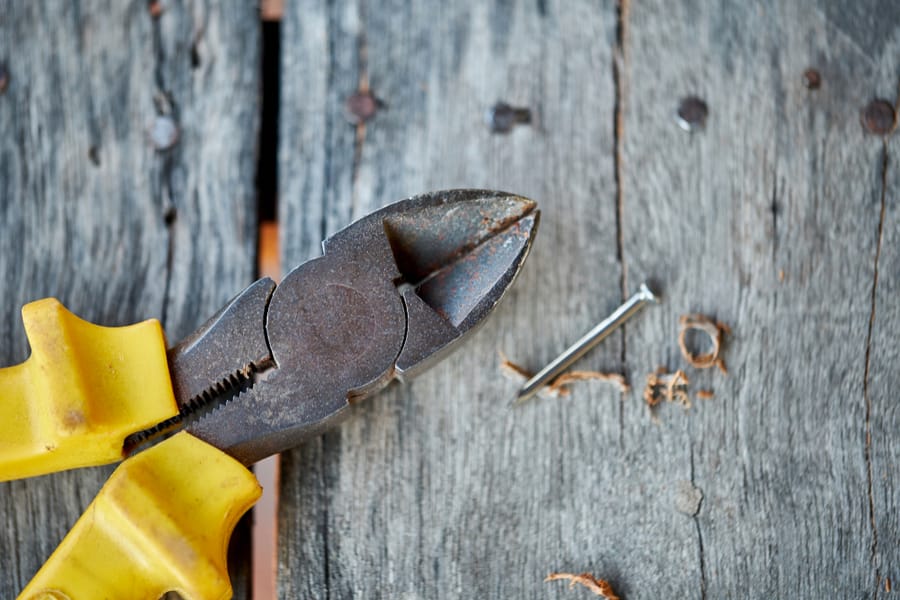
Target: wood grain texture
{"x":883,"y":413}
{"x":435,"y":489}
{"x":769,"y":219}
{"x":91,"y":213}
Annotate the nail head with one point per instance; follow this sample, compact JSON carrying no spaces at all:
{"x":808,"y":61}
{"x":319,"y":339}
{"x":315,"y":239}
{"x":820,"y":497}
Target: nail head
{"x":163,"y":132}
{"x":647,"y":294}
{"x":361,"y":106}
{"x":812,"y":79}
{"x":692,"y":113}
{"x":4,"y":77}
{"x":502,"y":117}
{"x":879,"y":117}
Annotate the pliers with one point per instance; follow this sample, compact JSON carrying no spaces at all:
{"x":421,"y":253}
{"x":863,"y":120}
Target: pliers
{"x":391,"y":295}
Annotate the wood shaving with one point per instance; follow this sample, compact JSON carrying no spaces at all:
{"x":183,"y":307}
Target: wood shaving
{"x":511,"y":370}
{"x":561,"y":386}
{"x":705,"y":394}
{"x":600,"y":587}
{"x":562,"y":382}
{"x":714,"y":330}
{"x":671,"y":387}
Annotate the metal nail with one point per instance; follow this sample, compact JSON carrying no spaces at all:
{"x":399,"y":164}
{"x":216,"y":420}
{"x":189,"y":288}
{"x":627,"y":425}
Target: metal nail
{"x":361,"y":106}
{"x":502,"y":117}
{"x":4,"y":77}
{"x":588,"y":341}
{"x":812,"y":79}
{"x":879,"y":117}
{"x":692,"y":113}
{"x":163,"y":132}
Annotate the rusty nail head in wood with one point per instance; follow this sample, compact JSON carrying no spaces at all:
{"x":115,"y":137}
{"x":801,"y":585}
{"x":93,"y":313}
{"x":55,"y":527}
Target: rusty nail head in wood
{"x":879,"y":117}
{"x":812,"y":79}
{"x":502,"y":117}
{"x":361,"y":106}
{"x":692,"y":113}
{"x":156,"y":8}
{"x":4,"y":77}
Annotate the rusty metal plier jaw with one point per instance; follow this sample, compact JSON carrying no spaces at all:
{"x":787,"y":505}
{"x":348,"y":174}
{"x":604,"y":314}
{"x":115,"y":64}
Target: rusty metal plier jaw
{"x":391,"y":295}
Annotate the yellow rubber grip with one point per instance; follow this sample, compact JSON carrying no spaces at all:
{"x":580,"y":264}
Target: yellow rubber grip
{"x":82,"y":391}
{"x":160,"y":524}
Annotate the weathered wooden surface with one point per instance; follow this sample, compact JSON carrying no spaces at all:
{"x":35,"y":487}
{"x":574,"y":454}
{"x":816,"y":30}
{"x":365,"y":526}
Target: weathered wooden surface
{"x":436,"y":489}
{"x":770,"y":220}
{"x":91,"y":213}
{"x":884,"y":378}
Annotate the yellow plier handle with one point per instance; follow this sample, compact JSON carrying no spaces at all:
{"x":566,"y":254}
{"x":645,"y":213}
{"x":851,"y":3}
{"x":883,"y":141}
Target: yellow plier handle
{"x":163,"y":520}
{"x":161,"y":523}
{"x":82,"y":391}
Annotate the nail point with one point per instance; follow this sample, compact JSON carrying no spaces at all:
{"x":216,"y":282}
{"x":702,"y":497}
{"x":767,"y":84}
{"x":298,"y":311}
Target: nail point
{"x":587,"y":341}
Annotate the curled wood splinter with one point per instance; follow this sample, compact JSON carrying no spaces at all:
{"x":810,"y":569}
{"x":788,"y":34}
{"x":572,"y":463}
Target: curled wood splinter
{"x":600,"y":587}
{"x":671,"y":387}
{"x":711,"y":328}
{"x":560,"y":386}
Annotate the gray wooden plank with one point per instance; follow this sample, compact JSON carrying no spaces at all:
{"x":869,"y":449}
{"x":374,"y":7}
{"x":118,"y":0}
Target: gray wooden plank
{"x":884,"y":376}
{"x":436,"y":489}
{"x":91,"y":213}
{"x":429,"y":490}
{"x":783,"y":180}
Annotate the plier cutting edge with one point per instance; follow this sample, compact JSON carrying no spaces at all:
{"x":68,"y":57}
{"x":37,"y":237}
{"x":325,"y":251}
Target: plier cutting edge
{"x":391,"y":295}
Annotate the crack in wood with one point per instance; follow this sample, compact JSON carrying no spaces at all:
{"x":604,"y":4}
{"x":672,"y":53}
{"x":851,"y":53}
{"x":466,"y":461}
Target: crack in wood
{"x":164,"y":105}
{"x":332,"y":31}
{"x":866,"y":397}
{"x":363,"y":88}
{"x":696,"y":518}
{"x":774,"y":209}
{"x":618,"y":66}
